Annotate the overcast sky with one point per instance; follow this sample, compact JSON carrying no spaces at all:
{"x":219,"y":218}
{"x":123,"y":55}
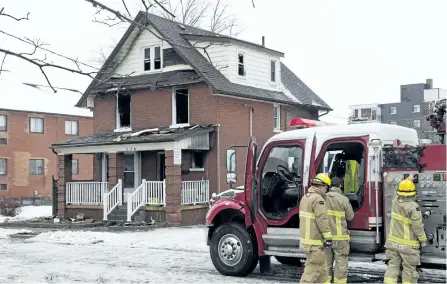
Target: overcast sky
{"x":348,"y":52}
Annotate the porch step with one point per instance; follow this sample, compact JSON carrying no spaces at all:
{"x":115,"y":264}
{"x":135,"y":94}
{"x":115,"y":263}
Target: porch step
{"x":118,"y":214}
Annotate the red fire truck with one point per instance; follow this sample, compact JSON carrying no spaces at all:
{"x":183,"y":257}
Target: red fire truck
{"x":259,"y":219}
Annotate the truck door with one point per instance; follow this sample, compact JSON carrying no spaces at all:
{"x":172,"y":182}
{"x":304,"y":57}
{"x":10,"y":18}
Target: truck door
{"x":308,"y":164}
{"x":251,"y":194}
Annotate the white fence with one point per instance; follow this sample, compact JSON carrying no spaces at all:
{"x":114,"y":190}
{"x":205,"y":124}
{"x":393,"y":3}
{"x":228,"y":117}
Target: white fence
{"x":195,"y":192}
{"x":113,"y":198}
{"x":85,"y":193}
{"x":149,"y":192}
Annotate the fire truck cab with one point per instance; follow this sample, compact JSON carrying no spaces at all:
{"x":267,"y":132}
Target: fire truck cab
{"x":260,"y":219}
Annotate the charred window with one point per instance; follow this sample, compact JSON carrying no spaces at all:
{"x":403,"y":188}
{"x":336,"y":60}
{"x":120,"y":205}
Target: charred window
{"x":241,"y":65}
{"x":147,"y":59}
{"x":181,"y":106}
{"x":123,"y":115}
{"x":198,"y":160}
{"x":157,"y":58}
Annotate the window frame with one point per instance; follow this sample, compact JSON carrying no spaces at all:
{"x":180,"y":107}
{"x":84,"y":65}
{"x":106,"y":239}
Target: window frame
{"x":75,"y":165}
{"x":6,"y":167}
{"x":118,"y":126}
{"x":151,"y":58}
{"x":273,"y":71}
{"x":174,"y":107}
{"x":244,"y":65}
{"x":71,"y":127}
{"x":36,"y":172}
{"x":39,"y":119}
{"x":418,"y":107}
{"x":277,"y":127}
{"x":418,"y":123}
{"x":194,"y":167}
{"x":129,"y":171}
{"x":393,"y":108}
{"x":6,"y":123}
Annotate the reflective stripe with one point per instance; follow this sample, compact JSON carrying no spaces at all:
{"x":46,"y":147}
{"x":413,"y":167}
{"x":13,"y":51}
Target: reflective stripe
{"x":401,"y":218}
{"x":307,"y":214}
{"x":343,"y":280}
{"x":412,"y":243}
{"x":422,"y":238}
{"x":327,"y":235}
{"x":327,"y":281}
{"x":338,"y":215}
{"x":389,"y":280}
{"x":311,"y":242}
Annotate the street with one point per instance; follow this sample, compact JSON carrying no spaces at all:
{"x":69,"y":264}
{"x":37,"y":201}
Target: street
{"x":163,"y":256}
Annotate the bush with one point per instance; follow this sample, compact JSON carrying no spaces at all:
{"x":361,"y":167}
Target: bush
{"x":9,"y":208}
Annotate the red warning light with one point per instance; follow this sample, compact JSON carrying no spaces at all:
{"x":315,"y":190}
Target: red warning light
{"x":444,"y":177}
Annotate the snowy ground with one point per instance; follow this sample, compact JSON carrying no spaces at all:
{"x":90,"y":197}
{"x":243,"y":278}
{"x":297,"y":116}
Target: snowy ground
{"x":29,"y":212}
{"x":162,"y":256}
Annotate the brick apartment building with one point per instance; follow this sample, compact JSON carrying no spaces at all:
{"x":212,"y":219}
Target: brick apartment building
{"x":160,"y":135}
{"x":27,"y":163}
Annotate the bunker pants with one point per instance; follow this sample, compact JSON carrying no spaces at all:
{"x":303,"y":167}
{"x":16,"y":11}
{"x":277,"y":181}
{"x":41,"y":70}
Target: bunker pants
{"x":315,"y":267}
{"x":408,"y":262}
{"x":338,"y":253}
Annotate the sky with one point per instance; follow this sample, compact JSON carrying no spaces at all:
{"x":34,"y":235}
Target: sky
{"x":347,"y":52}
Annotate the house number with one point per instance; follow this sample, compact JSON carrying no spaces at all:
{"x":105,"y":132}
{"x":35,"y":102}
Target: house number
{"x":131,"y":149}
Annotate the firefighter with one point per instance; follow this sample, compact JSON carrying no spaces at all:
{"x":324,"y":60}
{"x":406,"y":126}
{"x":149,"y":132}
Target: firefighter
{"x":406,"y":235}
{"x":339,"y":211}
{"x":315,"y":233}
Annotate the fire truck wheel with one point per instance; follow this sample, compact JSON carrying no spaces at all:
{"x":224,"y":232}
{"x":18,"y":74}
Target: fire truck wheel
{"x":292,"y":261}
{"x":232,"y":250}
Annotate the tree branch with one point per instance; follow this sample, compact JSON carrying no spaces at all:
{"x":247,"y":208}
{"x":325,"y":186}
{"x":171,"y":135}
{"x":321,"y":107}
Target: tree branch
{"x":1,"y":66}
{"x":125,"y":6}
{"x":253,"y":2}
{"x":2,"y":13}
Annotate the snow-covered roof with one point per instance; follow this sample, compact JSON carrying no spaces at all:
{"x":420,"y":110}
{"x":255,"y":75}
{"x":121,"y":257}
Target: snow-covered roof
{"x":386,"y":132}
{"x":26,"y":98}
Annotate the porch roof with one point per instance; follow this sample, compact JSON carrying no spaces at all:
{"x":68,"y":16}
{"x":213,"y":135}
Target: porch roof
{"x":157,"y":138}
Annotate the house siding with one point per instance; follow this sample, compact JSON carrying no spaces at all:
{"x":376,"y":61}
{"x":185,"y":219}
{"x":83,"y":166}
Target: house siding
{"x":22,"y":146}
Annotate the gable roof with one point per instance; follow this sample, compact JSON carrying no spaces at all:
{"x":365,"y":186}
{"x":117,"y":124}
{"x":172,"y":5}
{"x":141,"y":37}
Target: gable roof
{"x":297,"y":92}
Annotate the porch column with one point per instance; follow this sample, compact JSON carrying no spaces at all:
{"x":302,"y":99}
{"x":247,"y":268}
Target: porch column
{"x":173,"y":190}
{"x":116,"y":168}
{"x":64,"y":176}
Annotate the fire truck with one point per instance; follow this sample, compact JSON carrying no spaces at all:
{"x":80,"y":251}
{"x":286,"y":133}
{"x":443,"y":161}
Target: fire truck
{"x":251,"y":223}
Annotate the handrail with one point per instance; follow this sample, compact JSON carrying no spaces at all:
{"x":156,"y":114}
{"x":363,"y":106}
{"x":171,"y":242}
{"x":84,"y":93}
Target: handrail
{"x":140,"y":198}
{"x":113,"y":198}
{"x":149,"y":192}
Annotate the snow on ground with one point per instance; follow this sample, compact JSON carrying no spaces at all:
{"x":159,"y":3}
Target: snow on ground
{"x":29,"y":212}
{"x":165,"y":255}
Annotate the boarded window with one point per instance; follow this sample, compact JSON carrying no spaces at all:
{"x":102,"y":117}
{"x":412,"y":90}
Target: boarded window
{"x":171,"y":57}
{"x":36,"y":167}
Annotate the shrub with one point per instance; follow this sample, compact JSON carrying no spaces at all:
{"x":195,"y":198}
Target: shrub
{"x":9,"y":208}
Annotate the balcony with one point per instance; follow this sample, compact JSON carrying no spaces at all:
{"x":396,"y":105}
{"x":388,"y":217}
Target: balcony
{"x":355,"y":120}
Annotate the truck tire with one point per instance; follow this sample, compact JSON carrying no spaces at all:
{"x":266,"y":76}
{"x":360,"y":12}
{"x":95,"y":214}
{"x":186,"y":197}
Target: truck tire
{"x":292,"y":261}
{"x":232,"y":250}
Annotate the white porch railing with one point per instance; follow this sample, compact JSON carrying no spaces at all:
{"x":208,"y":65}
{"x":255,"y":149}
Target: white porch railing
{"x":149,"y":192}
{"x":85,"y":192}
{"x":113,"y":198}
{"x":195,"y":192}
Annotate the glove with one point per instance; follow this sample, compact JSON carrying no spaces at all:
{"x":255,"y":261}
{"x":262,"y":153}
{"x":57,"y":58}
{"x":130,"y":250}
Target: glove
{"x":328,"y":244}
{"x":423,"y":244}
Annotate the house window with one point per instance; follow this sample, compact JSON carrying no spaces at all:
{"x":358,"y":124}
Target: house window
{"x":129,"y":171}
{"x":152,"y":59}
{"x":123,"y":111}
{"x":3,"y":186}
{"x":3,"y":123}
{"x":240,"y":64}
{"x":276,"y":117}
{"x":416,"y":108}
{"x":273,"y":71}
{"x":198,"y":160}
{"x":74,"y":167}
{"x":36,"y":167}
{"x":356,"y":113}
{"x":392,"y":122}
{"x":393,"y":110}
{"x":3,"y":167}
{"x":36,"y":125}
{"x":180,"y":106}
{"x":417,"y":123}
{"x":71,"y":127}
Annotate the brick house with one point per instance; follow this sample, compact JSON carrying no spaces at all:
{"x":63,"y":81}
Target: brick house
{"x":27,"y":163}
{"x":168,"y":102}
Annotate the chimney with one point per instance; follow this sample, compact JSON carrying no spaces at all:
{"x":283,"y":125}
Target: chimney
{"x":263,"y":40}
{"x":429,"y":83}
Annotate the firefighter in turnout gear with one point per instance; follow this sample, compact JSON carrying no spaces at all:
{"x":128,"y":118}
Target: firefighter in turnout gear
{"x":315,"y":232}
{"x":406,"y":235}
{"x":339,"y":211}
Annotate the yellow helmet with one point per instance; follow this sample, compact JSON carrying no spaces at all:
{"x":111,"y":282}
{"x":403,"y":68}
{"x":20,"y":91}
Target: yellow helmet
{"x":321,"y":179}
{"x":406,"y":188}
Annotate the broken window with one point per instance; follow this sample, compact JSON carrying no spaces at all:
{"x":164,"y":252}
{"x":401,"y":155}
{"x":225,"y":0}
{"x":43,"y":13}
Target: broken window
{"x":273,"y":71}
{"x":181,"y":115}
{"x":123,"y":116}
{"x":198,"y":160}
{"x":157,"y":58}
{"x":147,"y":59}
{"x":241,"y":67}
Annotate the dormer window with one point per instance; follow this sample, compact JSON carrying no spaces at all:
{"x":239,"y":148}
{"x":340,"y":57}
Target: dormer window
{"x":152,"y":60}
{"x":241,"y":64}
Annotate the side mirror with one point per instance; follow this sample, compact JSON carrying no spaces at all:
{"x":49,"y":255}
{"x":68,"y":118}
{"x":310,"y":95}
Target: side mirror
{"x":231,"y":160}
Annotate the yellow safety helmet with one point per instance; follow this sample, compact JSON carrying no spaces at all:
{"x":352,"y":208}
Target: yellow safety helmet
{"x":321,"y":179}
{"x":406,"y":188}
